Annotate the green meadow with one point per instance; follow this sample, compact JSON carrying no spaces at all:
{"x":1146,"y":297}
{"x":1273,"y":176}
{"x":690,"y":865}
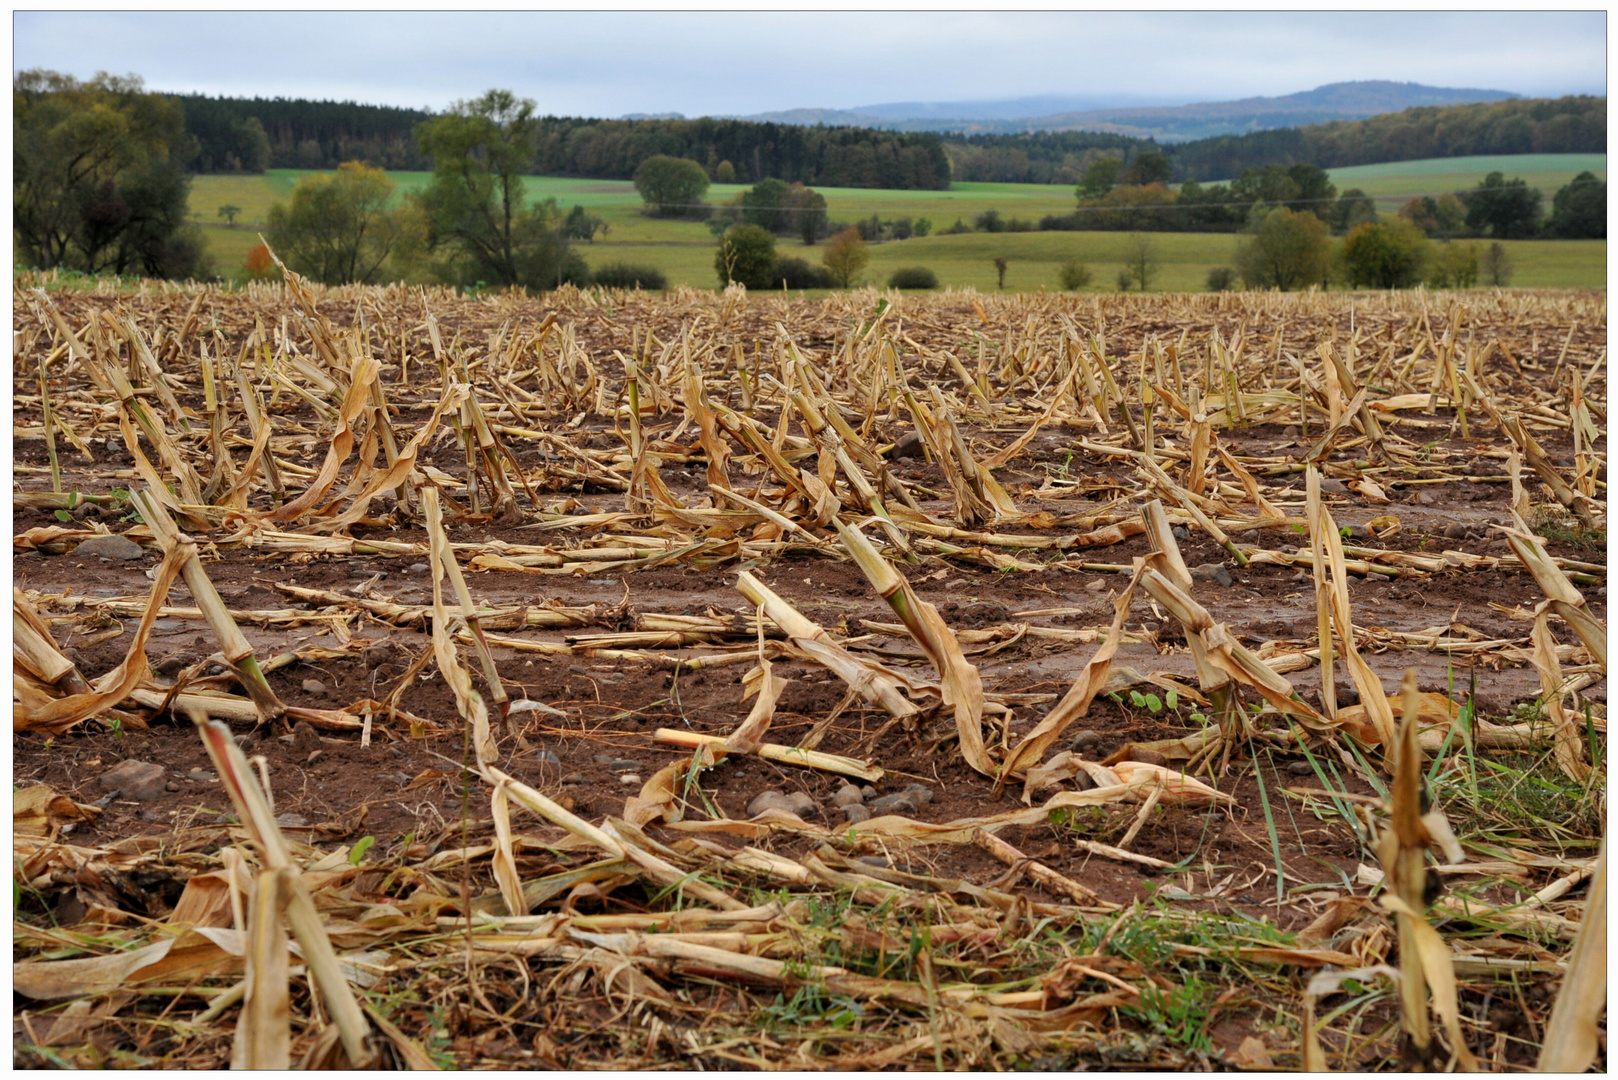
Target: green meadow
{"x":684,"y":250}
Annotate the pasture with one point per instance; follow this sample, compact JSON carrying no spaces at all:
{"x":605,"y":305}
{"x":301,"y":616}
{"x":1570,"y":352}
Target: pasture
{"x":683,"y":250}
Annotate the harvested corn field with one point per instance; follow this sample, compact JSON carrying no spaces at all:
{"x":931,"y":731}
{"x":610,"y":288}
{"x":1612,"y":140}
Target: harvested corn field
{"x":606,"y":680}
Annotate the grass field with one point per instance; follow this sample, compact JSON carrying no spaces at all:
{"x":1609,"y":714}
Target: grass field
{"x":1393,"y":183}
{"x":683,"y":250}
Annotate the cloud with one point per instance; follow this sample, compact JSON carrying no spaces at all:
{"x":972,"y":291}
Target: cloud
{"x":609,"y":63}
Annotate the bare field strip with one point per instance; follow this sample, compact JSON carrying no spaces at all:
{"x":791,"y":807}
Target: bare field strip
{"x":699,"y":680}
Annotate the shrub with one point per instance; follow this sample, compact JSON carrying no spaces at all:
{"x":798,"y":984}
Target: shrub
{"x":746,"y":255}
{"x":625,"y":276}
{"x":845,"y":256}
{"x":989,"y":221}
{"x":1385,"y":255}
{"x":1221,"y":279}
{"x":1018,"y":224}
{"x":1290,"y":250}
{"x":870,"y":229}
{"x":913,"y":277}
{"x":259,"y":266}
{"x":900,"y":228}
{"x":1060,"y":223}
{"x":793,"y":273}
{"x":1497,"y":265}
{"x":1125,"y":279}
{"x":960,"y":226}
{"x":1073,"y":274}
{"x":1454,"y":266}
{"x":922,"y":226}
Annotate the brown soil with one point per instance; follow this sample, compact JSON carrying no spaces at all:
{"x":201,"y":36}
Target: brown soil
{"x":404,"y":790}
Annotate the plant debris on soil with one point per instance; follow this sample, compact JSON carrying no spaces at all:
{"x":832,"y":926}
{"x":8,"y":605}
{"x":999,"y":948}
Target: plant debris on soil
{"x":625,"y":680}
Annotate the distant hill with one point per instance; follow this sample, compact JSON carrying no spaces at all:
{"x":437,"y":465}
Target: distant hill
{"x":1164,"y":123}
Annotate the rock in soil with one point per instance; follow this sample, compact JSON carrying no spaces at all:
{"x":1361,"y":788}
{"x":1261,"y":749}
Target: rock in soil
{"x":1328,"y":486}
{"x":848,"y":795}
{"x":142,"y":781}
{"x":900,"y":802}
{"x":768,"y":800}
{"x":908,"y":446}
{"x":801,"y":804}
{"x":854,"y":813}
{"x":1214,"y":572}
{"x":1300,"y":768}
{"x":111,"y":547}
{"x":305,"y":738}
{"x":1147,"y":757}
{"x":921,"y":793}
{"x":314,"y":686}
{"x":1086,"y":740}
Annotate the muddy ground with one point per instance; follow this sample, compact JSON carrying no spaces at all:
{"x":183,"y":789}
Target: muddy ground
{"x":408,"y":793}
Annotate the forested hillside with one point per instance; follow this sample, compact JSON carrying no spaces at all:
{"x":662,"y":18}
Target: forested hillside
{"x":251,"y":134}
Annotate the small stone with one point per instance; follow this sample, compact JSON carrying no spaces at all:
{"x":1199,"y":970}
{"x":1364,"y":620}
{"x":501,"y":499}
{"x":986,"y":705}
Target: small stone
{"x":1180,"y":532}
{"x":1147,"y":757}
{"x":376,"y":656}
{"x":314,"y":686}
{"x":801,"y":803}
{"x":1083,"y":781}
{"x":1214,"y":572}
{"x":111,"y":546}
{"x":1290,"y":432}
{"x":142,"y":781}
{"x":246,"y":743}
{"x":603,"y":759}
{"x":87,"y":510}
{"x":548,"y":757}
{"x":848,"y":795}
{"x":855,"y":813}
{"x":900,"y":802}
{"x":397,"y":779}
{"x":602,"y":581}
{"x":417,"y":568}
{"x":1333,"y":487}
{"x":1425,"y":499}
{"x":573,"y":780}
{"x":175,"y":662}
{"x":629,"y":779}
{"x":922,"y":793}
{"x":625,"y":766}
{"x":875,"y":860}
{"x":1300,"y":768}
{"x":1357,"y":532}
{"x":1095,"y":584}
{"x":305,"y":739}
{"x":168,"y":624}
{"x":172,"y":785}
{"x":202,"y":776}
{"x":908,"y":446}
{"x":290,"y":820}
{"x":314,"y":757}
{"x":1455,"y":531}
{"x":1087,"y":740}
{"x":769,"y":800}
{"x":868,"y":791}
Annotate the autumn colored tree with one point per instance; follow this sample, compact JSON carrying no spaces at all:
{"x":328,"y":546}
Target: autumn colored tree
{"x":258,"y":265}
{"x":845,"y":256}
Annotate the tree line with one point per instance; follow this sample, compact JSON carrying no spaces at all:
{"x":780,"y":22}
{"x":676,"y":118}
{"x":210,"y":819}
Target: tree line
{"x":1567,"y":125}
{"x":252,"y":134}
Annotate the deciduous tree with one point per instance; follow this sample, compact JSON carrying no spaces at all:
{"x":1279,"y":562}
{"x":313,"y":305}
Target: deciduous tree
{"x":1290,"y":250}
{"x":476,"y":207}
{"x":98,"y":177}
{"x":670,"y":186}
{"x":1507,"y":209}
{"x":1385,"y":255}
{"x":845,"y":256}
{"x":1579,"y":210}
{"x":746,"y":256}
{"x":336,"y":228}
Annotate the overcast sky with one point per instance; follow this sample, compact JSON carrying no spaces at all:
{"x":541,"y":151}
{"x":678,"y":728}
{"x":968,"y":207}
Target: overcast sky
{"x":728,"y":63}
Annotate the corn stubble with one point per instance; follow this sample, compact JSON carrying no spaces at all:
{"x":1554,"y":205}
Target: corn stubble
{"x":307,"y":426}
